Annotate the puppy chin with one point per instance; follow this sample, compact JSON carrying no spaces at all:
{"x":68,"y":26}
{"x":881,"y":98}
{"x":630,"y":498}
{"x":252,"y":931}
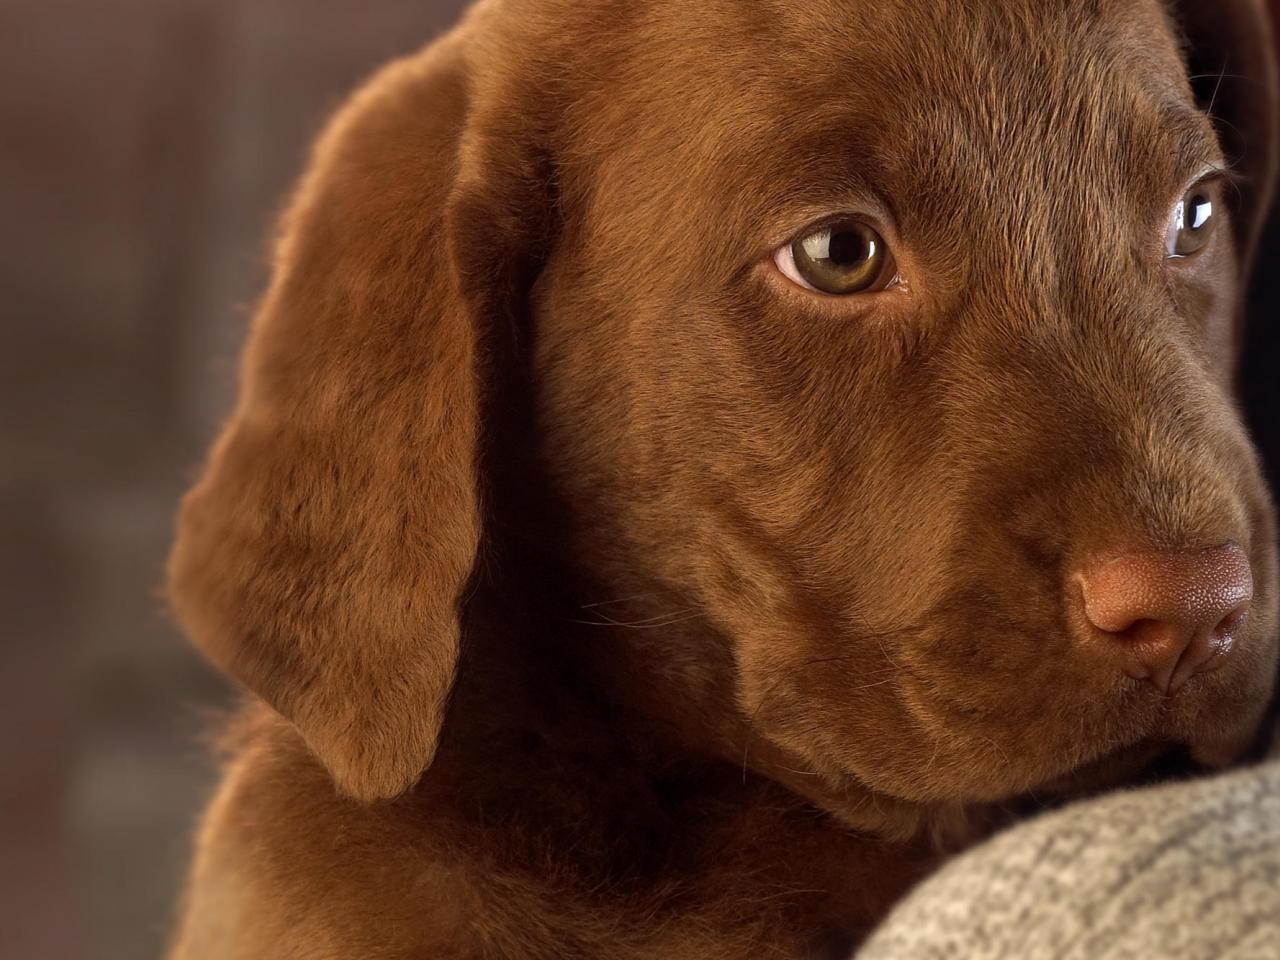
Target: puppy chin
{"x":1125,"y":765}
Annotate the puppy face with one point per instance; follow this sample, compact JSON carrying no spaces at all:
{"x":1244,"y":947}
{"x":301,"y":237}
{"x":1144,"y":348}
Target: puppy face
{"x":886,"y":505}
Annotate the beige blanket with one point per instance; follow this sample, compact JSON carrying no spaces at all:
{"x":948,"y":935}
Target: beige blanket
{"x":1185,"y":871}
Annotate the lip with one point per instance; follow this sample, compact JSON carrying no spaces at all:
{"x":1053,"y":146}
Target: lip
{"x":1160,"y":755}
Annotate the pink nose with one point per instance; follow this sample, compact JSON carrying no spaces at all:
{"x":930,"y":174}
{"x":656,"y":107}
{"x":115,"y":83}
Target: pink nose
{"x":1174,"y":612}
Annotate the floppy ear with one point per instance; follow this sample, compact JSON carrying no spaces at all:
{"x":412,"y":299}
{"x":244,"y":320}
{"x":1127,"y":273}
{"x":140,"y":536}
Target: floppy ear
{"x":1231,"y":59}
{"x":321,"y":557}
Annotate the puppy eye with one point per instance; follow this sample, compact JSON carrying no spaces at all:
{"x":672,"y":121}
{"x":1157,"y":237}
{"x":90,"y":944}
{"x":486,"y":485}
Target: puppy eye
{"x":1191,"y":221}
{"x":838,"y":258}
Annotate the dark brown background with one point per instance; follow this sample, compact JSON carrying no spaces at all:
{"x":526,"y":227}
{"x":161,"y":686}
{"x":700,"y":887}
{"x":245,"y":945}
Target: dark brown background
{"x":146,"y":146}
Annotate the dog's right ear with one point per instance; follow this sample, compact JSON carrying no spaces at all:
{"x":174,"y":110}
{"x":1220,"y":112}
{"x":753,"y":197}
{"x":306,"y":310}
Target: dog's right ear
{"x":321,"y":557}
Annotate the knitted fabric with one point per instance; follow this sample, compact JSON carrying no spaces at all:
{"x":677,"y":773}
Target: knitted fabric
{"x":1184,"y":871}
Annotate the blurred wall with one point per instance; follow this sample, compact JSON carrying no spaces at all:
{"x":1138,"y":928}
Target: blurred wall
{"x":145,"y":147}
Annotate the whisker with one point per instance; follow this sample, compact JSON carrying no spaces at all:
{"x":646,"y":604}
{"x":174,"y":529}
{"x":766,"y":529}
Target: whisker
{"x":607,"y":603}
{"x":801,"y":773}
{"x":649,"y":623}
{"x":1216,"y":87}
{"x":1229,"y":76}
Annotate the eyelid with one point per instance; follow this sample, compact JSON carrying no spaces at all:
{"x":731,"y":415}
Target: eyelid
{"x":1215,"y":176}
{"x":871,"y":213}
{"x":790,"y":217}
{"x":829,"y":216}
{"x":1205,"y":172}
{"x":1214,"y":170}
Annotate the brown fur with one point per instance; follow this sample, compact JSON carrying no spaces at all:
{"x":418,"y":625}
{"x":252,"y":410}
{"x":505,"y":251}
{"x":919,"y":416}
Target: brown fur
{"x":714,"y":612}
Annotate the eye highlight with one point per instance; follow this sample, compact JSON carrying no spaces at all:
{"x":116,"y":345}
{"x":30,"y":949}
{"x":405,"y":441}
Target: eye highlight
{"x":1192,"y":221}
{"x":838,"y":258}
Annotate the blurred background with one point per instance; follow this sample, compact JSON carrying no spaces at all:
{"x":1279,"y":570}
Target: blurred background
{"x":147,"y":145}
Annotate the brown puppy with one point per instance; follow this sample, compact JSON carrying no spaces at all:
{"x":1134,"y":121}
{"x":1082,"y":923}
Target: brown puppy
{"x":694,"y":460}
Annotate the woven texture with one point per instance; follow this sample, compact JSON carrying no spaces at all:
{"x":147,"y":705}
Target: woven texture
{"x":1188,"y":871}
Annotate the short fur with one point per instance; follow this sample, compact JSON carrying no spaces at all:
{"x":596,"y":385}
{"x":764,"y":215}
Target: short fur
{"x":613,"y":597}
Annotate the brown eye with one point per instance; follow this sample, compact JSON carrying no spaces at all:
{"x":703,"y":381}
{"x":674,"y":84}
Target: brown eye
{"x":839,"y":258}
{"x":1191,"y":221}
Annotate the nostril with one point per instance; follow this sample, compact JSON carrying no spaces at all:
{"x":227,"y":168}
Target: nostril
{"x":1232,"y":619}
{"x":1170,"y":613}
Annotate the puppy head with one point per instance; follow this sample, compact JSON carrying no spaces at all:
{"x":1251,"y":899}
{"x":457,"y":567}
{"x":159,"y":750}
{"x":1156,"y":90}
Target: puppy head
{"x":908,"y":506}
{"x":882,"y":505}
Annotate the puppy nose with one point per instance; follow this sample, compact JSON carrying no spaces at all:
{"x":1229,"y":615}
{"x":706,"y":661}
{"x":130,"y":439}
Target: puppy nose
{"x":1172,"y":611}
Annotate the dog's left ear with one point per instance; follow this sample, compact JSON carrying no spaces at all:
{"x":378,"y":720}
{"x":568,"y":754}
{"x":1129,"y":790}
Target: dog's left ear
{"x":1231,"y":60}
{"x":323,"y":556}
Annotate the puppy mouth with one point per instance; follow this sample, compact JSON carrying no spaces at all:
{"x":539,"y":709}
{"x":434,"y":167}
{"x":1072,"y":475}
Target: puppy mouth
{"x":1122,"y":734}
{"x":1133,"y":736}
{"x":1164,"y":753}
{"x":1157,"y":760}
{"x":1135,"y":763}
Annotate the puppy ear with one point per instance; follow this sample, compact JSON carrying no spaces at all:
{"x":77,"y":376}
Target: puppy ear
{"x":321,"y":557}
{"x":1231,"y":58}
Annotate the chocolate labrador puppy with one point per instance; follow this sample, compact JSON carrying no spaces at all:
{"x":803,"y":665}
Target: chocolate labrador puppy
{"x":697,"y":464}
